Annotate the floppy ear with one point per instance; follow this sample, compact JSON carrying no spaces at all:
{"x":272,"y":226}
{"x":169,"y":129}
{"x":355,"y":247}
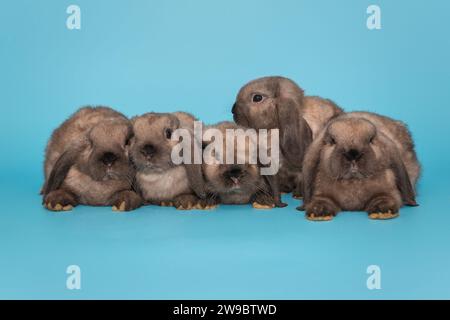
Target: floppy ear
{"x":310,"y":167}
{"x":196,"y":180}
{"x":240,"y":115}
{"x":402,"y":179}
{"x":272,"y":182}
{"x":194,"y":170}
{"x":60,"y":170}
{"x":135,"y":186}
{"x":295,"y":133}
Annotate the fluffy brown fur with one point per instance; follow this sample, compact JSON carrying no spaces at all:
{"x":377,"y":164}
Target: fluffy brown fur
{"x":238,"y":183}
{"x":86,"y":162}
{"x":360,"y":161}
{"x":159,"y":180}
{"x":277,"y":102}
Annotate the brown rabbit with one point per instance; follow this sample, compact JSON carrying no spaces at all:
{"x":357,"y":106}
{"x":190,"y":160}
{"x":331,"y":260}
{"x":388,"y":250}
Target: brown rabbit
{"x":277,"y":102}
{"x":360,"y":161}
{"x":239,"y":182}
{"x":159,"y":180}
{"x":86,"y":162}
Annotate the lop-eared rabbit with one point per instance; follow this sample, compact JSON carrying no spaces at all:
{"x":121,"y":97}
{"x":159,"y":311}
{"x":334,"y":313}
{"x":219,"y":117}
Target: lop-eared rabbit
{"x":279,"y":103}
{"x":86,"y":162}
{"x":360,"y":161}
{"x":238,"y":182}
{"x":159,"y":179}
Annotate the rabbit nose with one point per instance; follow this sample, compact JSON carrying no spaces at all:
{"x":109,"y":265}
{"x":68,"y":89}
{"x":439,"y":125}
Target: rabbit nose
{"x":234,"y":172}
{"x":148,"y":150}
{"x":353,"y":155}
{"x":108,"y":159}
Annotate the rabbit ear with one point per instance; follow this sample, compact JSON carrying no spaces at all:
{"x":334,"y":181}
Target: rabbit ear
{"x":60,"y":170}
{"x":295,"y":133}
{"x":194,"y":170}
{"x":272,"y":182}
{"x":402,"y":180}
{"x":310,"y":167}
{"x":196,"y":180}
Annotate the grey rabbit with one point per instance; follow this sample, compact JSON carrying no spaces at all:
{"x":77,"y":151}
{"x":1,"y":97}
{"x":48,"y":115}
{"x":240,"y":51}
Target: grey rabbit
{"x":86,"y":162}
{"x":160,"y":181}
{"x":360,"y":161}
{"x":278,"y":102}
{"x":237,"y":182}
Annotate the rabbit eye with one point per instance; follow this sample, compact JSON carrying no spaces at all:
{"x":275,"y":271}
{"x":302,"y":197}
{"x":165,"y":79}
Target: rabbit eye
{"x":168,"y":133}
{"x":257,"y":98}
{"x":371,"y":140}
{"x":332,"y":141}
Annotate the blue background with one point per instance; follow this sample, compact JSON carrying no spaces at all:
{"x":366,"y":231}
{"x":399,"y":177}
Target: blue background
{"x":140,"y":56}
